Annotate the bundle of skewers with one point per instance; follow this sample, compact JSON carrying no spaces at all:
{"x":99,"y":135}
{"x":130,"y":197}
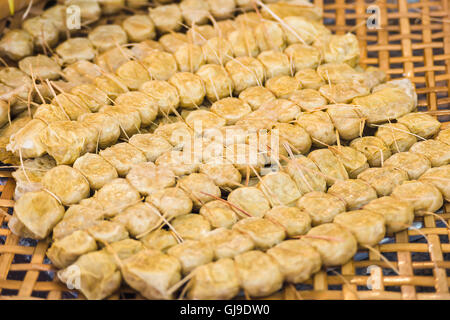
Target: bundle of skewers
{"x":207,"y":148}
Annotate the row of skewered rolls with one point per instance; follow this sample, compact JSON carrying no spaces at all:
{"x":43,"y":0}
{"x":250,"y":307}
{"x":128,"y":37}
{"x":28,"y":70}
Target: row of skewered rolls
{"x":335,"y":186}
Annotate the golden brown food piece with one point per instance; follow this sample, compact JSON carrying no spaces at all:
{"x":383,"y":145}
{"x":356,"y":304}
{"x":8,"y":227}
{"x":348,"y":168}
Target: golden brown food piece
{"x":384,"y":180}
{"x":117,"y":195}
{"x":146,"y":105}
{"x":173,"y":41}
{"x":75,"y":49}
{"x":396,"y":136}
{"x":256,"y":96}
{"x":245,"y":72}
{"x":302,"y":57}
{"x":373,"y":148}
{"x":342,"y":48}
{"x":219,"y":214}
{"x":246,"y":157}
{"x":279,"y":188}
{"x":231,"y":109}
{"x":217,"y":50}
{"x":35,"y":215}
{"x":194,"y":11}
{"x":335,"y":244}
{"x":148,"y":178}
{"x":216,"y":280}
{"x":124,"y":249}
{"x":65,"y":251}
{"x":444,"y":136}
{"x":16,"y":44}
{"x":123,"y":156}
{"x":150,"y":144}
{"x":95,"y":274}
{"x":404,"y":85}
{"x":354,"y":161}
{"x":295,"y":136}
{"x":66,"y":141}
{"x":243,"y":41}
{"x":95,"y":169}
{"x":196,"y":185}
{"x":92,"y":97}
{"x":81,"y":71}
{"x":264,"y":233}
{"x":107,"y":37}
{"x":165,"y":94}
{"x":297,"y":260}
{"x":306,"y":175}
{"x":166,"y":18}
{"x":29,"y":177}
{"x":275,"y":63}
{"x":383,"y":105}
{"x":269,"y":36}
{"x":139,"y":27}
{"x":191,"y":226}
{"x":190,"y":89}
{"x":111,"y":85}
{"x":67,"y":184}
{"x":344,"y":92}
{"x":189,"y":57}
{"x":107,"y":232}
{"x":329,"y":165}
{"x":309,"y":78}
{"x":440,"y":178}
{"x":308,"y":99}
{"x":41,"y":67}
{"x":259,"y":273}
{"x":107,"y":126}
{"x":72,"y":105}
{"x":43,"y":31}
{"x":354,"y":192}
{"x":250,"y":200}
{"x":172,"y":202}
{"x":79,"y":217}
{"x":436,"y":151}
{"x":283,"y":86}
{"x":160,"y":240}
{"x":128,"y":117}
{"x":295,"y":221}
{"x":398,"y":214}
{"x":191,"y":254}
{"x":112,"y":59}
{"x":203,"y":120}
{"x":133,"y":74}
{"x":160,"y":65}
{"x":319,"y":126}
{"x":301,"y":30}
{"x":367,"y":226}
{"x":139,"y":219}
{"x":421,"y":124}
{"x":321,"y":207}
{"x":421,"y":195}
{"x":26,"y":143}
{"x":347,"y":120}
{"x":413,"y":163}
{"x":218,"y":83}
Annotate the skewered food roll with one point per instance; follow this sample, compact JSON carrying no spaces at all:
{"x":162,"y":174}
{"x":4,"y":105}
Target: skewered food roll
{"x":422,"y":196}
{"x":321,"y":207}
{"x":35,"y":215}
{"x":398,"y":214}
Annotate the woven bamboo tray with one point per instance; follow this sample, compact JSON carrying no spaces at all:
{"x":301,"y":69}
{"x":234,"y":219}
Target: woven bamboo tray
{"x":413,"y":41}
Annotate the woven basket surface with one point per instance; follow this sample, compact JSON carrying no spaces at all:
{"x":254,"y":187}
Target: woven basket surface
{"x":413,"y":40}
